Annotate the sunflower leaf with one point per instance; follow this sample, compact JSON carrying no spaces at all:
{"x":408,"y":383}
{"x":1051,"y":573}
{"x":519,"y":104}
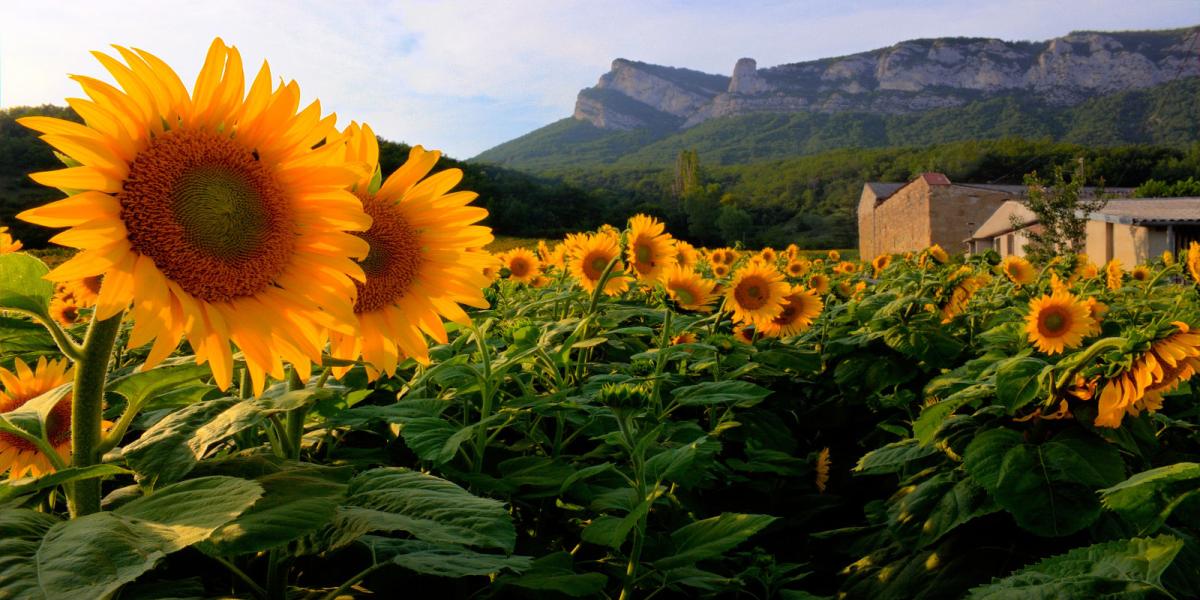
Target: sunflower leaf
{"x":22,"y":286}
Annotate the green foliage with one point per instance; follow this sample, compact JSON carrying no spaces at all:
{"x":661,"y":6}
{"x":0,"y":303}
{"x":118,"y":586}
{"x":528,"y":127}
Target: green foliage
{"x":1061,"y":210}
{"x":1154,"y":188}
{"x":1121,"y":569}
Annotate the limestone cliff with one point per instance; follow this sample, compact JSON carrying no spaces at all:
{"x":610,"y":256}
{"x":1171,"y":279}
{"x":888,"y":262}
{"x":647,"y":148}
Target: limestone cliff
{"x":908,"y":77}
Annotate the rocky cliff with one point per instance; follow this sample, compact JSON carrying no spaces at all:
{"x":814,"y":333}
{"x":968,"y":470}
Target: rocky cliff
{"x":909,"y":77}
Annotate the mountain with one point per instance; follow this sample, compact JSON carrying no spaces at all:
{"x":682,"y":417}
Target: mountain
{"x":1085,"y":87}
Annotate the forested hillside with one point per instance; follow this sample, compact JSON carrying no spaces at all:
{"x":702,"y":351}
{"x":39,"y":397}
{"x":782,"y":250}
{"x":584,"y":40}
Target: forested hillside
{"x":1164,"y":115}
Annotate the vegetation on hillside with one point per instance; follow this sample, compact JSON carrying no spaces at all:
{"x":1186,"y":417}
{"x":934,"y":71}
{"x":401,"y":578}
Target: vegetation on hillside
{"x":1163,"y":115}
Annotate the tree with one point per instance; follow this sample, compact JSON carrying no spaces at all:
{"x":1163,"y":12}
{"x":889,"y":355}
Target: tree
{"x":734,"y":223}
{"x":1061,"y":207}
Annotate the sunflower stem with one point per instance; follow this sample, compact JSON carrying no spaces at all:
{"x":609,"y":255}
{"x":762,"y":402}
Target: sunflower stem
{"x":62,"y":339}
{"x":83,"y":497}
{"x":295,"y":417}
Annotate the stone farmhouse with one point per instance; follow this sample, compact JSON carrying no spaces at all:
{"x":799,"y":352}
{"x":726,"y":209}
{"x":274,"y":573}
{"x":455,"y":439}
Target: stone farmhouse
{"x":901,"y":217}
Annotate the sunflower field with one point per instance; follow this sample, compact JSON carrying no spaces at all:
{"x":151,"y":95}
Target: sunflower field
{"x":270,"y":371}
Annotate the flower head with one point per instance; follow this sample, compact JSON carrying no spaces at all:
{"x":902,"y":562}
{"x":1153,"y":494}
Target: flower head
{"x":651,"y":250}
{"x":756,"y":294}
{"x":1168,"y":362}
{"x":1018,"y":270}
{"x":689,"y":289}
{"x":1057,"y":322}
{"x":522,"y":265}
{"x":19,"y":456}
{"x":800,"y":307}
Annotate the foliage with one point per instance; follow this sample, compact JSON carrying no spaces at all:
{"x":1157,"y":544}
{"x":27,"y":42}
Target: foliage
{"x":1062,"y":210}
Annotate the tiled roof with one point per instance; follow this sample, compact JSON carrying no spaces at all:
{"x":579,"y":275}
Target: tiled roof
{"x":883,"y":190}
{"x":1150,"y":211}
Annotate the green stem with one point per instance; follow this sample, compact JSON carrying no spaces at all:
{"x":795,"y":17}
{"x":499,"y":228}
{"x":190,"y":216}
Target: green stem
{"x":256,"y":589}
{"x":295,"y":418}
{"x":87,"y":411}
{"x":1081,"y":360}
{"x":485,"y":391}
{"x":353,"y":580}
{"x":65,"y":344}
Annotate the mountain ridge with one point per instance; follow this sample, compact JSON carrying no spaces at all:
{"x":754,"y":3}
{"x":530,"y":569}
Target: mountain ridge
{"x":641,"y":101}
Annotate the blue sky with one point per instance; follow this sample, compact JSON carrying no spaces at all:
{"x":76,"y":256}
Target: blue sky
{"x":465,"y":76}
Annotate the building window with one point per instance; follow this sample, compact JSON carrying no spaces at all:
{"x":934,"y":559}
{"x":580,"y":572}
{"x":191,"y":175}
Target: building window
{"x":1108,"y":242}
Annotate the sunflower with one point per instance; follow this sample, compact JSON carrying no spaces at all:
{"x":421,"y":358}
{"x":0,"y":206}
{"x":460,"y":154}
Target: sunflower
{"x":1096,"y":310}
{"x":822,"y":470}
{"x":1113,"y":274}
{"x":1193,"y":261}
{"x":835,"y":255}
{"x":1058,"y":321}
{"x":1018,"y":270}
{"x":768,"y":255}
{"x":745,"y":333}
{"x":797,"y":268}
{"x":800,"y":307}
{"x":846,"y":268}
{"x":880,"y":263}
{"x":424,"y":260}
{"x":539,"y":281}
{"x":1140,"y":273}
{"x":590,"y":255}
{"x":552,"y":258}
{"x":522,"y":265}
{"x":491,"y":264}
{"x":1168,"y":362}
{"x":651,"y":251}
{"x":17,"y":455}
{"x":756,"y":294}
{"x":819,"y":283}
{"x":724,"y":256}
{"x":689,"y":289}
{"x":1168,"y":258}
{"x":792,"y":251}
{"x":686,"y":255}
{"x":686,"y":337}
{"x":1084,"y":268}
{"x":720,"y":270}
{"x":219,"y":215}
{"x":7,"y":243}
{"x":85,"y":291}
{"x":962,"y":292}
{"x":64,"y":309}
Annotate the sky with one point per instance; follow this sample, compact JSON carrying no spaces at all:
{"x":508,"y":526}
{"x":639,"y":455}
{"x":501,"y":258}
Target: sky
{"x":463,"y":76}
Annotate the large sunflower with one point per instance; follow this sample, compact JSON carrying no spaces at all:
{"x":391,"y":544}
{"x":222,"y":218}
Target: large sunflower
{"x":423,"y":263}
{"x":686,"y":254}
{"x":219,"y":214}
{"x":1170,"y":361}
{"x":590,"y":255}
{"x":1057,"y":322}
{"x":689,"y":289}
{"x":18,"y":456}
{"x":800,"y":307}
{"x":756,"y":294}
{"x":651,"y":250}
{"x":1018,"y":270}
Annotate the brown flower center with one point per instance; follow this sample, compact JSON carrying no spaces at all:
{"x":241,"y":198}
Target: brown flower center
{"x":395,"y":258}
{"x":209,"y":213}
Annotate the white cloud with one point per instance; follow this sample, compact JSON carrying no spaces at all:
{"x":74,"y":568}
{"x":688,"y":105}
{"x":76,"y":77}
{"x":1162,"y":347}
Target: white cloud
{"x":464,"y":76}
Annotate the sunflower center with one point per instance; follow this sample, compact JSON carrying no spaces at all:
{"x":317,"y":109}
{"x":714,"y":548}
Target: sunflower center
{"x":519,"y":267}
{"x":750,"y":294}
{"x":395,"y":258}
{"x":643,"y":253}
{"x":684,"y":295}
{"x":1054,"y":321}
{"x":209,"y":214}
{"x":594,"y":265}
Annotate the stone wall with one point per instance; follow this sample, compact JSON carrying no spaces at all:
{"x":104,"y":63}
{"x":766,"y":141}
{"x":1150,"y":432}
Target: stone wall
{"x":1131,"y":244}
{"x":956,"y":212}
{"x":866,"y":223}
{"x":901,"y":222}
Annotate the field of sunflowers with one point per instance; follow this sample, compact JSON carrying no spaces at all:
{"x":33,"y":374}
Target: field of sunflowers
{"x":271,"y":371}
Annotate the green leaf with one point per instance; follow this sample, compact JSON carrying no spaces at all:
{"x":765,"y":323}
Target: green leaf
{"x":427,"y":507}
{"x":738,"y":393}
{"x":139,"y":387}
{"x":711,"y":538}
{"x":442,"y":560}
{"x":21,"y":532}
{"x":437,"y":440}
{"x":1148,"y":498}
{"x":1050,"y":488}
{"x":673,"y":463}
{"x":1017,"y":382}
{"x":21,"y":486}
{"x":94,"y":555}
{"x":21,"y":283}
{"x":612,"y":531}
{"x":556,"y":573}
{"x":893,"y":457}
{"x":1121,"y":569}
{"x":932,"y":417}
{"x":295,"y":503}
{"x":163,"y":453}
